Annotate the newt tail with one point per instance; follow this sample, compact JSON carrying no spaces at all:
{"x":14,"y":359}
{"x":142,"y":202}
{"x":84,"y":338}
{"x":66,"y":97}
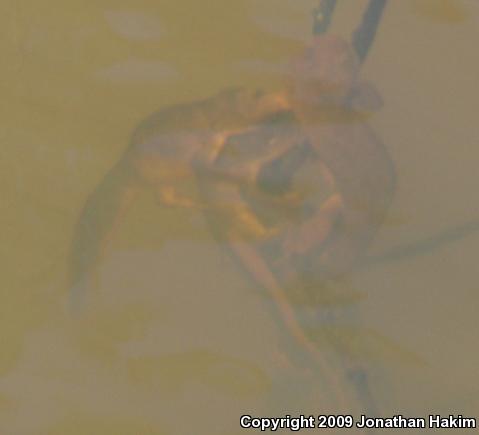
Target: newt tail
{"x":97,"y":221}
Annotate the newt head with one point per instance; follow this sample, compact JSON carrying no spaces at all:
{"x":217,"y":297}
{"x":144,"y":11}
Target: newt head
{"x":326,"y":76}
{"x":325,"y":72}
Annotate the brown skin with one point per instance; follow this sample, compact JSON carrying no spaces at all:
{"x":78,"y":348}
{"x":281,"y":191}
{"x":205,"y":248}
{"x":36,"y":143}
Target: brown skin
{"x":331,"y":104}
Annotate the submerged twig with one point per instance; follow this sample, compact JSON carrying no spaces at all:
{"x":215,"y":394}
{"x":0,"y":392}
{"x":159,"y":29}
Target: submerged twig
{"x":364,"y":35}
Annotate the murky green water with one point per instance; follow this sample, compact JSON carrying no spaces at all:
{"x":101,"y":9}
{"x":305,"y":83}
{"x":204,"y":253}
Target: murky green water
{"x":177,"y":338}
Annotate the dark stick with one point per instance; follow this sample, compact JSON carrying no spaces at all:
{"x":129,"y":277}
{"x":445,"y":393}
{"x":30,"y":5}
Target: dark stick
{"x":364,"y":35}
{"x":322,"y":16}
{"x":425,"y":246}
